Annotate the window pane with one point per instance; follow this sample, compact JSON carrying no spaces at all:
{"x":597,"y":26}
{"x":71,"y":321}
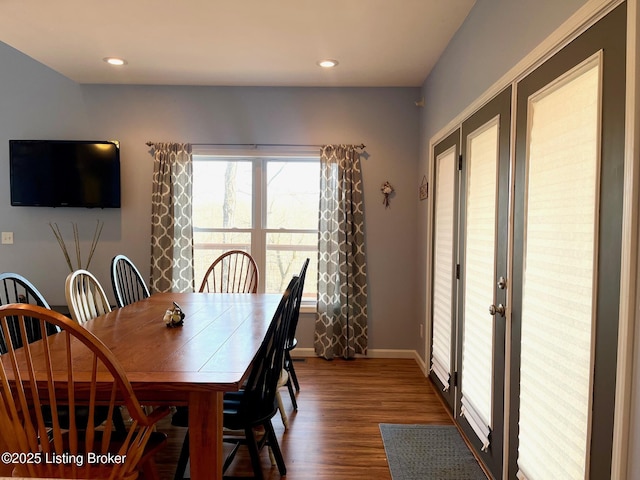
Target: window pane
{"x":222,"y":193}
{"x":210,"y":245}
{"x":286,"y":252}
{"x":292,"y":194}
{"x":282,"y":192}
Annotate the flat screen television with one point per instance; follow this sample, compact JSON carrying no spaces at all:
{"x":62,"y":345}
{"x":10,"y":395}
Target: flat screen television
{"x":64,"y":173}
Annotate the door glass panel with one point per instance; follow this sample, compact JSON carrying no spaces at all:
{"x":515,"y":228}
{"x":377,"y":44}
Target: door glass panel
{"x":479,"y":278}
{"x":558,"y":278}
{"x":443,"y":277}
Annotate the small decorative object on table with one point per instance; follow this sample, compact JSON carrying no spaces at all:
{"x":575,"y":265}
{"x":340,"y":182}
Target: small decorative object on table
{"x":386,"y":190}
{"x":174,"y":317}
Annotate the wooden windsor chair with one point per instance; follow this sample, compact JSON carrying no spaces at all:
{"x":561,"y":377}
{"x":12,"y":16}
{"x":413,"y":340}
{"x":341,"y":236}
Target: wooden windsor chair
{"x":47,"y":373}
{"x":234,"y":271}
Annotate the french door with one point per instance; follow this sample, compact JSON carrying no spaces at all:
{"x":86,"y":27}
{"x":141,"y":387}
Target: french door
{"x":482,"y":300}
{"x":526,"y":264}
{"x":569,"y":167}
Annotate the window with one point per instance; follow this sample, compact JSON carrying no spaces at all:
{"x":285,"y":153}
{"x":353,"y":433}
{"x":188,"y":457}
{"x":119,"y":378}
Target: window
{"x":264,"y":204}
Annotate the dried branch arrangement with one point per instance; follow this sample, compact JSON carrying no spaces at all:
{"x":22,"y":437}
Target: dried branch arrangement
{"x":76,"y":239}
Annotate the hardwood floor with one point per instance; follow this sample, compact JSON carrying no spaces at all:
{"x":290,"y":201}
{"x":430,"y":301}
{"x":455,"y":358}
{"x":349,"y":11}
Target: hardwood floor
{"x":334,"y":434}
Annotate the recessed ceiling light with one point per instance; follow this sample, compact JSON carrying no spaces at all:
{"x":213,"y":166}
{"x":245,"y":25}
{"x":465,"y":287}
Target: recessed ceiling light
{"x":115,"y":61}
{"x":328,"y":63}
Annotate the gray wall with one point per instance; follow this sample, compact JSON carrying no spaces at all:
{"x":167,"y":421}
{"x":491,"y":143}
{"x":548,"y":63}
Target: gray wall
{"x":37,"y":103}
{"x":495,"y":36}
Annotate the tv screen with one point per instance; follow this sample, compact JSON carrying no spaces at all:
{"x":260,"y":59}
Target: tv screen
{"x":60,"y":173}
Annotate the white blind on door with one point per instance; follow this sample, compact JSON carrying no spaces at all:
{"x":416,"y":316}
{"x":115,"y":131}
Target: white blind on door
{"x":559,"y":275}
{"x":443,"y":265}
{"x":479,"y":278}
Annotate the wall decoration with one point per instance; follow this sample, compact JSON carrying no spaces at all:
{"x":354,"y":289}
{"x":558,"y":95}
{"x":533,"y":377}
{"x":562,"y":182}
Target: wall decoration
{"x":424,"y":189}
{"x":386,"y":190}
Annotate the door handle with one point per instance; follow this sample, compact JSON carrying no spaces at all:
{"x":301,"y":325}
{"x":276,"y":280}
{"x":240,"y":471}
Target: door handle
{"x":497,"y":309}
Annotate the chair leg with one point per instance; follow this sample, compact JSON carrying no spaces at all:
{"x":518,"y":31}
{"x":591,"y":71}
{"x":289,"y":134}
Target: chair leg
{"x":272,"y":442}
{"x":230,"y":457}
{"x":294,"y":402}
{"x":291,"y":370}
{"x":254,"y":452}
{"x":283,"y":414}
{"x":183,"y":458}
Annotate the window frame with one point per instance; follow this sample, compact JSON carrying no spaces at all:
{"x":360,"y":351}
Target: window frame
{"x":259,"y":158}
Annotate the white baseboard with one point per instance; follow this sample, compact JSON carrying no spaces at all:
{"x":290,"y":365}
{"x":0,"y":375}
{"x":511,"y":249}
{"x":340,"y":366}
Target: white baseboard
{"x":372,"y":353}
{"x":300,"y":352}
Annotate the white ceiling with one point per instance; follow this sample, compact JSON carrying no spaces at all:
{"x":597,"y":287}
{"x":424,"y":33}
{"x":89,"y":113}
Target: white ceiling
{"x":235,"y":42}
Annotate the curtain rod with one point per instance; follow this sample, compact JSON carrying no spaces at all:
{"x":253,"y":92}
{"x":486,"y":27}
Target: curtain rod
{"x":362,"y":146}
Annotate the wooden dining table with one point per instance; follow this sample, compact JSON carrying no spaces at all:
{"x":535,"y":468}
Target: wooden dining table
{"x":194,"y":364}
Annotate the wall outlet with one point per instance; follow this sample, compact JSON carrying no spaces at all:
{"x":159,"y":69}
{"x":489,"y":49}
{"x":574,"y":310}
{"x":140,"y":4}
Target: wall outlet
{"x":7,"y":238}
{"x":421,"y":330}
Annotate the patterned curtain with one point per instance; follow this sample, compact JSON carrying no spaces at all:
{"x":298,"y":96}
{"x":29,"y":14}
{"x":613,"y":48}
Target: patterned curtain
{"x":341,"y":325}
{"x":171,"y":229}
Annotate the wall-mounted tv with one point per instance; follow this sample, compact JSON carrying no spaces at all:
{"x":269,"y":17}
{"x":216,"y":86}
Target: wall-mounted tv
{"x":64,"y":173}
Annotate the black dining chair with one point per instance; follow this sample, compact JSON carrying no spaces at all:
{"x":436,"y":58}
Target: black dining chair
{"x":15,"y":288}
{"x":128,"y":284}
{"x":291,"y":341}
{"x":288,"y":376}
{"x":255,"y":404}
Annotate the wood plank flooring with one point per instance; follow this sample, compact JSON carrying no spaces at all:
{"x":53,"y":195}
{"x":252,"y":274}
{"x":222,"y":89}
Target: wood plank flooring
{"x":334,"y":434}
